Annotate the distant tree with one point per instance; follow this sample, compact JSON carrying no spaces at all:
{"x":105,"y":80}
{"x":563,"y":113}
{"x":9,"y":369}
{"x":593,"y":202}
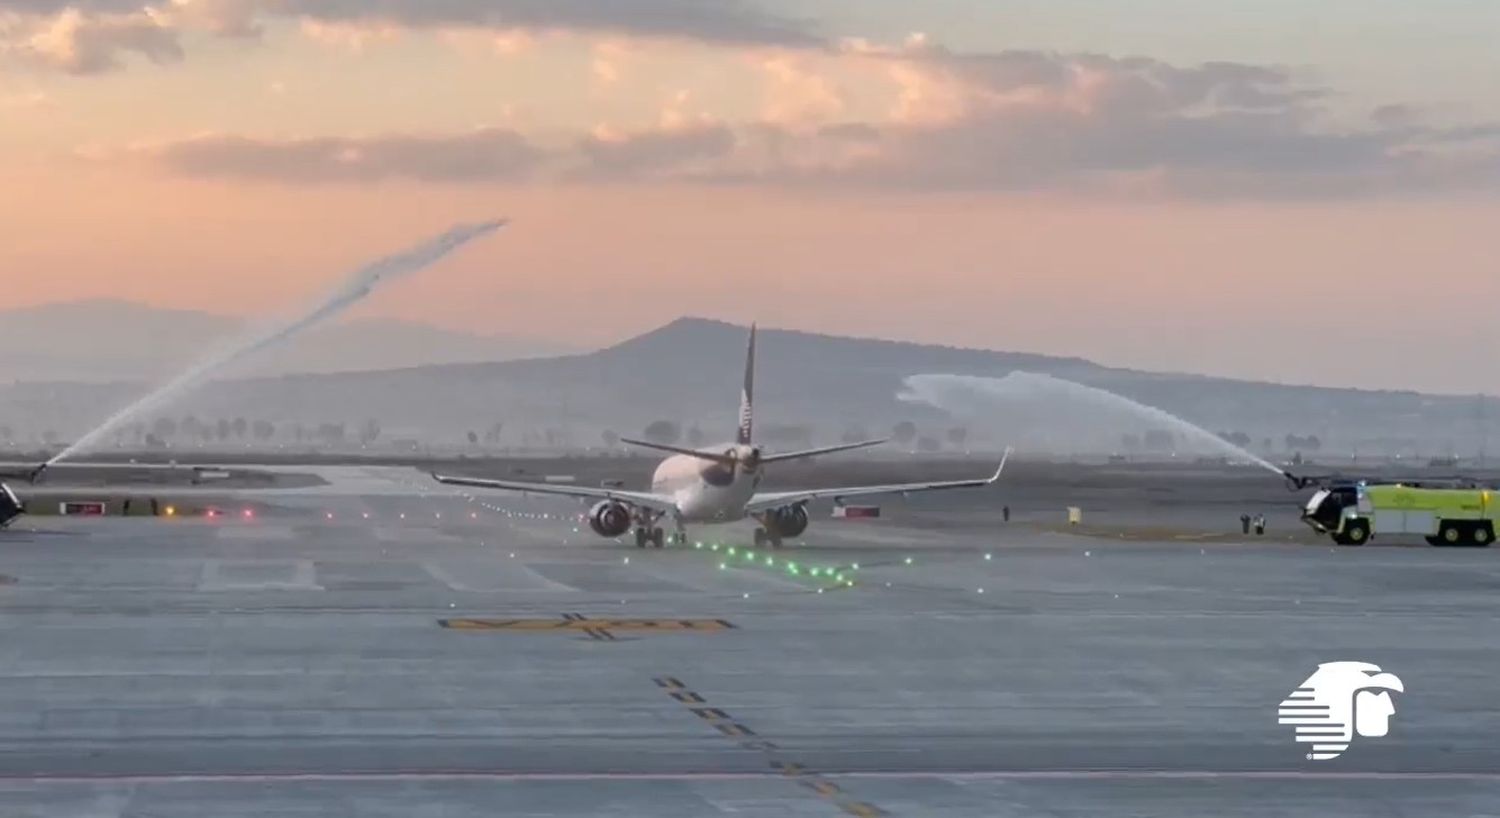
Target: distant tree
{"x":695,"y":436}
{"x":662,"y":431}
{"x":222,"y":428}
{"x":610,"y":438}
{"x":155,"y":442}
{"x":904,"y":432}
{"x":855,"y":434}
{"x":190,"y":426}
{"x":786,"y":435}
{"x":473,"y":438}
{"x":1130,"y":442}
{"x":492,"y":435}
{"x":958,"y":436}
{"x":1159,"y":440}
{"x":369,"y":431}
{"x":263,"y":429}
{"x":164,"y":428}
{"x":7,"y":434}
{"x":928,"y":444}
{"x":1267,"y":444}
{"x":240,"y":427}
{"x":1236,"y":438}
{"x":331,"y":433}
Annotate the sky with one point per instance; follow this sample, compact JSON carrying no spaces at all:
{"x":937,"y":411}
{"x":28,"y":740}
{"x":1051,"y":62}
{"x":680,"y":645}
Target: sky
{"x":1303,"y":192}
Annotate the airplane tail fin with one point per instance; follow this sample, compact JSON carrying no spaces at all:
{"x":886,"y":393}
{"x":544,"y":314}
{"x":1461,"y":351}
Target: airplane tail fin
{"x":747,"y":396}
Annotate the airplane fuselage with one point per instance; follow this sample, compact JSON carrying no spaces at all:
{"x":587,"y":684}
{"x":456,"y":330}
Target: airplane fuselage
{"x":706,"y":491}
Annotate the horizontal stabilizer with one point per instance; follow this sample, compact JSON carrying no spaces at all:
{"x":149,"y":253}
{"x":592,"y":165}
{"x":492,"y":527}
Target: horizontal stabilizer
{"x":713,"y":457}
{"x":842,"y":447}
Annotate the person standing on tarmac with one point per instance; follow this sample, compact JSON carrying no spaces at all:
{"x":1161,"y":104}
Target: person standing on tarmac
{"x":1245,"y":523}
{"x":1260,"y":525}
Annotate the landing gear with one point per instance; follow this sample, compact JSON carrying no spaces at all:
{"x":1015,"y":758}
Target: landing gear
{"x":654,"y":537}
{"x":764,"y":537}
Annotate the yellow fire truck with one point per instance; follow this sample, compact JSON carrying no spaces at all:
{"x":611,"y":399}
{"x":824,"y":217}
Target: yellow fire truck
{"x":1352,"y":513}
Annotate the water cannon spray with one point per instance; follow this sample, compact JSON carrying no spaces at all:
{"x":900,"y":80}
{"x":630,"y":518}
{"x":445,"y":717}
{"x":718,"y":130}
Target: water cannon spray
{"x":354,"y":288}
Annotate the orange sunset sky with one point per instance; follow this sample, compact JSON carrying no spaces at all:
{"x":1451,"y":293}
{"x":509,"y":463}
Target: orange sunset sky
{"x":1258,"y":188}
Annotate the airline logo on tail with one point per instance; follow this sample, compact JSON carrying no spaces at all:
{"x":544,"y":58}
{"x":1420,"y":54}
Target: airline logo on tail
{"x":747,"y":395}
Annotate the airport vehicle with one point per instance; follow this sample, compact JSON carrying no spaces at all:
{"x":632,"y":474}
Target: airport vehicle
{"x":715,"y":484}
{"x":1353,"y":512}
{"x":10,"y":506}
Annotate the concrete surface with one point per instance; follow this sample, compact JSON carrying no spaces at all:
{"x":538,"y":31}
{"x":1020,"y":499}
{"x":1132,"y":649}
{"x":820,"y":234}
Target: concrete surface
{"x":292,"y":663}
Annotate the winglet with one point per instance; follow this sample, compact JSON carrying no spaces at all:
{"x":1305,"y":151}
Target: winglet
{"x":1001,"y":468}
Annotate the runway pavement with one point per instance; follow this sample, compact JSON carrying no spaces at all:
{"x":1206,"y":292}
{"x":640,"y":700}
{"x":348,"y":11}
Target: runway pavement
{"x":386,"y":646}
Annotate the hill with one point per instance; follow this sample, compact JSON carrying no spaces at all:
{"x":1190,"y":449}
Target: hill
{"x":810,"y":388}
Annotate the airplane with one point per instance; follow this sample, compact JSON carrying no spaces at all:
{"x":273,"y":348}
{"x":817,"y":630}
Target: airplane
{"x":714,"y":485}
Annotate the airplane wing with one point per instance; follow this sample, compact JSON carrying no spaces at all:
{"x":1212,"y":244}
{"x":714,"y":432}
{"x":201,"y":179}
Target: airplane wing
{"x":777,"y":499}
{"x":655,"y":502}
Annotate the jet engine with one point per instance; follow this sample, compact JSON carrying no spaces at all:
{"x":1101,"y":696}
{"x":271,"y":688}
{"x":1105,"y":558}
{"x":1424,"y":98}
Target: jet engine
{"x":609,"y":519}
{"x":10,"y":506}
{"x":788,"y":522}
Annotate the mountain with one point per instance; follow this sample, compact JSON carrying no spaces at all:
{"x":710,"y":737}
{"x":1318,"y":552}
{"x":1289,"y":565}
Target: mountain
{"x":810,"y":388}
{"x":103,"y":340}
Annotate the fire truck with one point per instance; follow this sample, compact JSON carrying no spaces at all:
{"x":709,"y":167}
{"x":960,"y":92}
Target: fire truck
{"x":1351,"y":513}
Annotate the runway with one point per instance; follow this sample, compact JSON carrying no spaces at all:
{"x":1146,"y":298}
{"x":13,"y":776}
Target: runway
{"x":387,"y":646}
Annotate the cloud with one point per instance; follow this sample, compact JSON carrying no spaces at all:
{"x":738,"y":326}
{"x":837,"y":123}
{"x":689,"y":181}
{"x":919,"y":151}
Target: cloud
{"x":681,"y":150}
{"x":488,"y":155}
{"x":730,"y":22}
{"x":87,"y":36}
{"x":1003,"y":121}
{"x":79,"y":42}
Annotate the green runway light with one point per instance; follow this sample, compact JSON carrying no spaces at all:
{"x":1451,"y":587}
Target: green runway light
{"x":816,"y":571}
{"x":770,"y":560}
{"x":731,"y":551}
{"x":838,"y":578}
{"x":908,"y":560}
{"x":697,"y":545}
{"x":988,"y":557}
{"x":854,"y":567}
{"x":716,"y":546}
{"x":723,"y":566}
